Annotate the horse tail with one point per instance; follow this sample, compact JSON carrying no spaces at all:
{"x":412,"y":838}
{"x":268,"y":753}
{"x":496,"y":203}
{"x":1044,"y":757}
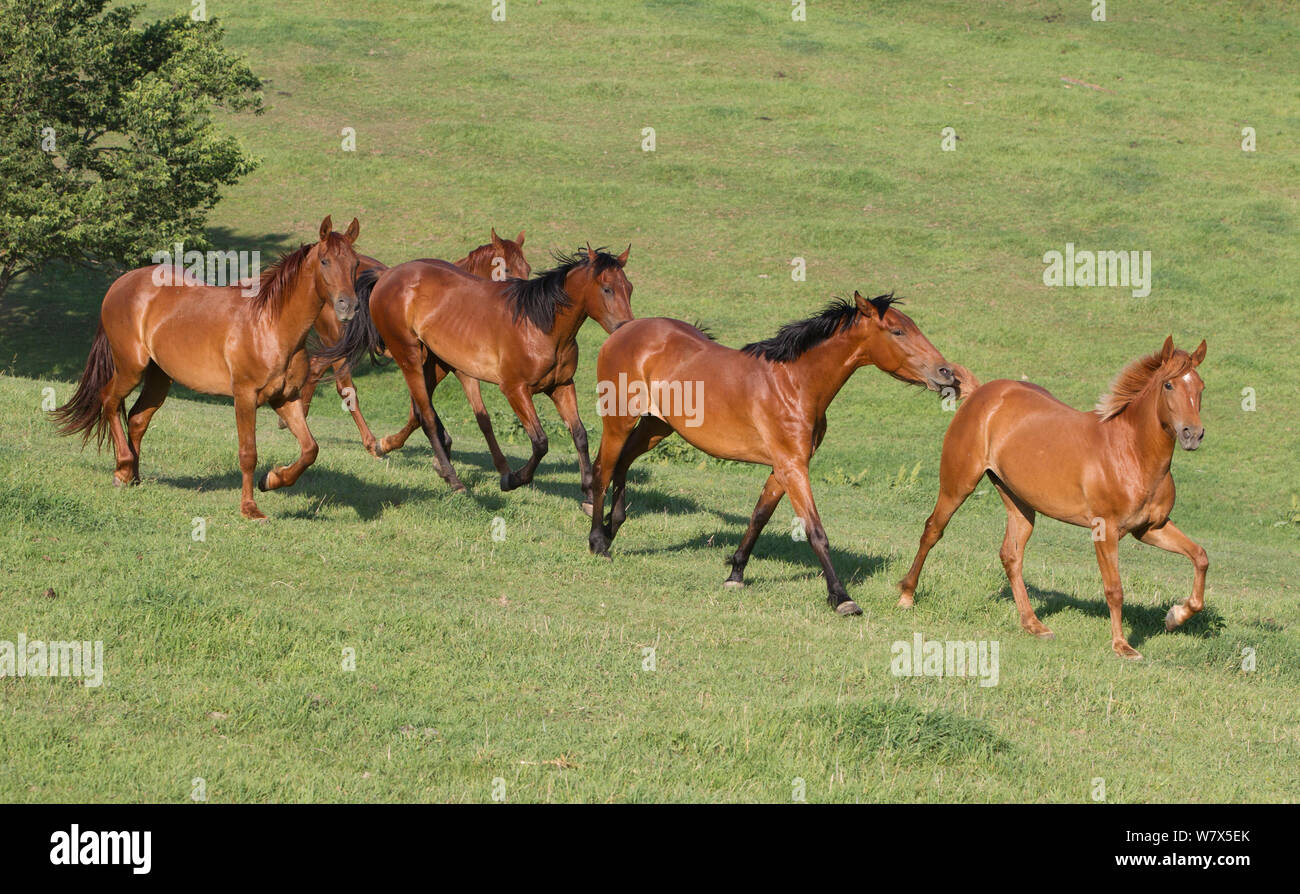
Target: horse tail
{"x":84,"y":413}
{"x":359,"y":335}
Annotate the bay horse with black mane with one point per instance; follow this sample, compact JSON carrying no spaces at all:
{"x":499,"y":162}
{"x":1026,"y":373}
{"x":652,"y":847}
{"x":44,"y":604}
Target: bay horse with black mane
{"x":216,"y":340}
{"x":1108,"y":470}
{"x":765,"y":404}
{"x":498,"y":259}
{"x":520,"y":334}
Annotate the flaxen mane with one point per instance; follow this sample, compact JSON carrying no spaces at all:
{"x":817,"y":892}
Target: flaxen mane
{"x":1134,"y":379}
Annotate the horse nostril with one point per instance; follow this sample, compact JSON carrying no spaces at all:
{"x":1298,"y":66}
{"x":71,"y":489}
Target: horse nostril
{"x":945,"y":371}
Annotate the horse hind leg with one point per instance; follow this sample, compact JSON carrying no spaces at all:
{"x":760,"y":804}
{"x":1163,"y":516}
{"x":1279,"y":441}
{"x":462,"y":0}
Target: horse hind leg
{"x":128,"y":373}
{"x":615,"y":431}
{"x":153,"y":391}
{"x":644,"y":438}
{"x":1020,"y":525}
{"x":958,"y":477}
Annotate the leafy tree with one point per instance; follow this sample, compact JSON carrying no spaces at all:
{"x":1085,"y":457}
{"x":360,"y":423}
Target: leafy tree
{"x":107,"y":148}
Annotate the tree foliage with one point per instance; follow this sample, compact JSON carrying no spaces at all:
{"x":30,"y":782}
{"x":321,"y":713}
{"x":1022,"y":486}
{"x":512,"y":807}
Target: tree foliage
{"x":108,"y":150}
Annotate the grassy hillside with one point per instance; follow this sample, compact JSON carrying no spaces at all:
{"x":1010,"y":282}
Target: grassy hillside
{"x":522,"y":659}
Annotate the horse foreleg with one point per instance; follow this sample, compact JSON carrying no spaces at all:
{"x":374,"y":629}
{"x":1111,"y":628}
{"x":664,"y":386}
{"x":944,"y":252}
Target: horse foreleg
{"x":1168,"y":537}
{"x":1108,"y":561}
{"x":795,"y":480}
{"x":246,"y":429}
{"x":294,"y":415}
{"x":565,"y":398}
{"x":767,"y":503}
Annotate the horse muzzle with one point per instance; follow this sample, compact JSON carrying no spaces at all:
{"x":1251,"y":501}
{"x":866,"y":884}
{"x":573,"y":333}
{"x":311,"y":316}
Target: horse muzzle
{"x":345,"y":309}
{"x":1190,"y":438}
{"x":940,"y":378}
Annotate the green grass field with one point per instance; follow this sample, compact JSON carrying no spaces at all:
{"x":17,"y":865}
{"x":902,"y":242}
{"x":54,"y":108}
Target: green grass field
{"x":522,"y":660}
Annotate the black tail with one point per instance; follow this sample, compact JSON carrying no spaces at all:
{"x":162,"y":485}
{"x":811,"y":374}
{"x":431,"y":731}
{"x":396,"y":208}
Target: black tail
{"x":85,"y":411}
{"x":359,"y":335}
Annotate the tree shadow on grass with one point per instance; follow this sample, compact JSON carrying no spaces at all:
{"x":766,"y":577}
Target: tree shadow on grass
{"x":48,"y":317}
{"x":1143,"y":621}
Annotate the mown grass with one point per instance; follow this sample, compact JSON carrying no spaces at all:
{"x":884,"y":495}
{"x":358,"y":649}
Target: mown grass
{"x":523,"y":659}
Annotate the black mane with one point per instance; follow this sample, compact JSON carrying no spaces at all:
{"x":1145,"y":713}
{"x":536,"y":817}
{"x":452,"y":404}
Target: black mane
{"x":541,"y":297}
{"x":794,"y":339}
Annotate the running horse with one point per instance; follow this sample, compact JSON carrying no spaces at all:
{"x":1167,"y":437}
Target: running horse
{"x":498,"y":259}
{"x":764,"y":404}
{"x":520,"y":334}
{"x":217,"y":340}
{"x":1108,"y":470}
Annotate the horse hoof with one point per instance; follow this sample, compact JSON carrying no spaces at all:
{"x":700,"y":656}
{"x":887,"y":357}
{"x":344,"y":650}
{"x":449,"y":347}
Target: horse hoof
{"x":376,"y":451}
{"x":905,"y":602}
{"x":1046,"y":634}
{"x":253,"y":514}
{"x":733,"y":584}
{"x":848,"y":607}
{"x":587,"y":508}
{"x":282,"y":424}
{"x":1172,"y":621}
{"x":509,"y":481}
{"x":1128,"y":653}
{"x":261,"y":482}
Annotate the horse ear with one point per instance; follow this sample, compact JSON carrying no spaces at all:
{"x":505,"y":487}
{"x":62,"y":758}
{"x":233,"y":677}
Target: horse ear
{"x":622,"y":259}
{"x":496,"y":240}
{"x":865,"y":306}
{"x":354,"y":230}
{"x":1198,"y":355}
{"x":591,"y":253}
{"x":326,"y":227}
{"x":519,"y":240}
{"x":1168,"y":350}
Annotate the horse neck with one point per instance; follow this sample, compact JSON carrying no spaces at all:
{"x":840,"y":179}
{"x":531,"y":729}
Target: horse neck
{"x":821,"y":371}
{"x":568,"y":320}
{"x":300,"y":308}
{"x":1139,"y":431}
{"x":474,"y":263}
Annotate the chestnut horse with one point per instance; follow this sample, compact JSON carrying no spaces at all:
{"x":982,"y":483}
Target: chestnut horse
{"x":765,"y":404}
{"x":521,"y":334}
{"x":497,"y":259}
{"x":216,"y":340}
{"x":1107,"y":470}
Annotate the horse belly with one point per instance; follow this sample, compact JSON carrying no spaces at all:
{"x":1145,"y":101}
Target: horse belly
{"x":197,"y":363}
{"x":1049,"y":476}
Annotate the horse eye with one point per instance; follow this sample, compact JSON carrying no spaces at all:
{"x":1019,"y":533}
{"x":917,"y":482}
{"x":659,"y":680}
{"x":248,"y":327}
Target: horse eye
{"x":607,"y":290}
{"x":897,"y":332}
{"x":1169,"y":386}
{"x":324,"y":262}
